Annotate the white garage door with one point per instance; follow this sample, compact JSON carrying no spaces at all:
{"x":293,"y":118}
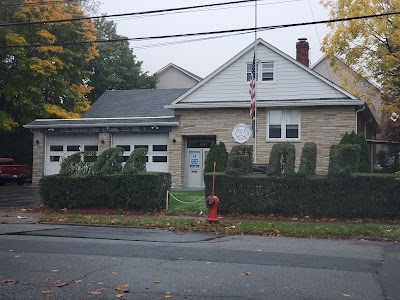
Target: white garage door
{"x":62,"y":146}
{"x":155,"y":143}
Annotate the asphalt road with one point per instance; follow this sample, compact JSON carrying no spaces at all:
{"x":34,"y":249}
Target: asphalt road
{"x":90,"y":262}
{"x":14,"y":196}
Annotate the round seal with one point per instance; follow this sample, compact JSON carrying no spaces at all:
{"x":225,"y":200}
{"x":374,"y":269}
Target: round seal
{"x":241,"y":133}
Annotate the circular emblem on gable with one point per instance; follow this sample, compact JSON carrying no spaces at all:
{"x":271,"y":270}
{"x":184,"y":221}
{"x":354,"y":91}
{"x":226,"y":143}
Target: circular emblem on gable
{"x":241,"y":133}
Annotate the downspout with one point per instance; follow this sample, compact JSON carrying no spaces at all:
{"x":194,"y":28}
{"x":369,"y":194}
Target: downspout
{"x":357,"y":111}
{"x":365,"y":127}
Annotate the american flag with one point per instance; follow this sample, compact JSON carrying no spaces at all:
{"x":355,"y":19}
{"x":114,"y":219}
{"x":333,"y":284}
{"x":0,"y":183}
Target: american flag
{"x":252,"y":89}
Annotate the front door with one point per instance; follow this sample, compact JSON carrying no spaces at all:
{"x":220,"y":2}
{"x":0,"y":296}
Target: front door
{"x":195,"y":158}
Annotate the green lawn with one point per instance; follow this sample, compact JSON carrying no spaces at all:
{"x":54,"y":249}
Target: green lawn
{"x":186,"y":203}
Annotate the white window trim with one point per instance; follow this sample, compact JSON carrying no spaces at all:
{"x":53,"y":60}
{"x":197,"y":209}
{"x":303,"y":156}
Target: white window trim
{"x":283,"y":128}
{"x":259,"y":71}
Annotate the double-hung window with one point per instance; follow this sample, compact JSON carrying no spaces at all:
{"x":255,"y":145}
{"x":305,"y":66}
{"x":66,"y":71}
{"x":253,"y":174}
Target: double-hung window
{"x":265,"y":71}
{"x":283,"y":125}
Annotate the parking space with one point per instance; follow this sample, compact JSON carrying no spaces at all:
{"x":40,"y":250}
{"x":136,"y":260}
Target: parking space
{"x":13,"y":196}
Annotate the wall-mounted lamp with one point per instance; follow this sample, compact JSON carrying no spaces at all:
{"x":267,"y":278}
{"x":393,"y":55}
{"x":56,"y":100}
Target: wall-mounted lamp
{"x":102,"y":142}
{"x":174,"y":140}
{"x":37,"y":142}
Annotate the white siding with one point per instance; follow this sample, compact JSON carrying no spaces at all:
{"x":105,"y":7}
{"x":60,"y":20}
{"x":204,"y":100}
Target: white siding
{"x":291,"y":83}
{"x":172,"y":78}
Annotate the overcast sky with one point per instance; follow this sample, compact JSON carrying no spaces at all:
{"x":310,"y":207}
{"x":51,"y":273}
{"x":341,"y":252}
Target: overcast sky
{"x":203,"y":57}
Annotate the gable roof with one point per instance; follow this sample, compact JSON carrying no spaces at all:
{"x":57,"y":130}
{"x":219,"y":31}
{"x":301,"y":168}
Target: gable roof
{"x":144,"y":107}
{"x":133,"y":103}
{"x":349,"y":98}
{"x":171,"y":65}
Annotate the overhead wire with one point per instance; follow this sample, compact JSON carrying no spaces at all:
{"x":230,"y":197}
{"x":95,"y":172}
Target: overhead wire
{"x":251,"y":29}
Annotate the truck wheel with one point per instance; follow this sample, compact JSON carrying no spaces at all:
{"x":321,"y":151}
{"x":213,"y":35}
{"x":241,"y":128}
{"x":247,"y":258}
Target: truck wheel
{"x":20,"y":182}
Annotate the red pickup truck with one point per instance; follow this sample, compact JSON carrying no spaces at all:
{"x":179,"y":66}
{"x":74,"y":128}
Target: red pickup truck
{"x":9,"y":171}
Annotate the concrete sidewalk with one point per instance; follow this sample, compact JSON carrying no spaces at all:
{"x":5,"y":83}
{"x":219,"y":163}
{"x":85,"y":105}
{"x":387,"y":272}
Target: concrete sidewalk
{"x":19,"y":216}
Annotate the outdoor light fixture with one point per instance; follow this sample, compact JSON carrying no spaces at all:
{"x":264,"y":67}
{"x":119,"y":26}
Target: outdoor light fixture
{"x":174,"y":140}
{"x":394,"y":117}
{"x":102,"y":142}
{"x":37,"y":142}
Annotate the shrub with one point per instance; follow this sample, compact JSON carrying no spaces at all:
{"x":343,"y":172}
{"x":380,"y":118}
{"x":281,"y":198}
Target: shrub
{"x":358,"y":139}
{"x":78,"y":163}
{"x":389,"y":159}
{"x":240,"y":160}
{"x":142,"y":191}
{"x":358,"y":196}
{"x":218,"y":154}
{"x":108,"y":162}
{"x":136,"y":161}
{"x":282,"y":159}
{"x":344,"y":159}
{"x":308,"y":161}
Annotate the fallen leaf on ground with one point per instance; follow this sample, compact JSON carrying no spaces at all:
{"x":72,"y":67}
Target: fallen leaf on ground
{"x":168,"y":296}
{"x":9,"y":281}
{"x":62,"y":284}
{"x":245,"y":273}
{"x":114,"y":273}
{"x":48,"y":293}
{"x":156,"y":281}
{"x":78,"y":281}
{"x":96,"y":292}
{"x":119,"y":295}
{"x":55,"y":270}
{"x":122,"y":288}
{"x":346,"y":295}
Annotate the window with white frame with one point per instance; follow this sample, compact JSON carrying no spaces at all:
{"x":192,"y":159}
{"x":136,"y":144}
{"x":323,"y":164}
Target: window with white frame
{"x":283,"y":125}
{"x":264,"y":70}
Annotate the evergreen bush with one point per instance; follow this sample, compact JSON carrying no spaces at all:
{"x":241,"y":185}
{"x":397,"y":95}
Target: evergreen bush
{"x":282,"y":159}
{"x":344,"y":159}
{"x":389,"y":159}
{"x":358,"y":139}
{"x":142,"y":191}
{"x":108,"y":162}
{"x":308,"y":161}
{"x":354,"y":196}
{"x":136,"y":162}
{"x":217,"y":154}
{"x":240,"y":160}
{"x":78,"y":163}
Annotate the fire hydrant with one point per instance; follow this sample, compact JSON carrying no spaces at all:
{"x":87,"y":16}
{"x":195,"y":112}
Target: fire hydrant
{"x":212,"y":205}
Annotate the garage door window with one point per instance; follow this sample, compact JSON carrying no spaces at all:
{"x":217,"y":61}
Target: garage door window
{"x":163,"y":148}
{"x":142,"y":146}
{"x":59,"y":148}
{"x":73,"y":148}
{"x":125,"y":147}
{"x":91,"y":148}
{"x":54,"y":158}
{"x":159,"y":158}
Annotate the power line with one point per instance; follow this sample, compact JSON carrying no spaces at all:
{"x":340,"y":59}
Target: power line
{"x":251,"y":29}
{"x":126,"y":14}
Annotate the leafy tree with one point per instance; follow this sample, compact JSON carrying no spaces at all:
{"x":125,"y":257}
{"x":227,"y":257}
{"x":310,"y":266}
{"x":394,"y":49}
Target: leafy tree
{"x":370,"y":46}
{"x":116,"y":67}
{"x":43,"y":81}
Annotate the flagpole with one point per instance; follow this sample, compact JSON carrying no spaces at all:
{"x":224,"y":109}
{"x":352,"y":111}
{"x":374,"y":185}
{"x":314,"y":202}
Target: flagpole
{"x":255,"y":92}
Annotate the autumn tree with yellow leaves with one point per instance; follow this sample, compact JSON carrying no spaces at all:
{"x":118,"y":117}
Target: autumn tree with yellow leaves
{"x":370,"y":46}
{"x":44,"y":67}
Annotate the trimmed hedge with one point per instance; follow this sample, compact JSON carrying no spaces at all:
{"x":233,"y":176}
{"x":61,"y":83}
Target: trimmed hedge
{"x":282,"y":159}
{"x":136,"y":162}
{"x":218,"y":154}
{"x":109,"y":162}
{"x":356,"y":196}
{"x":78,"y":163}
{"x":358,"y":139}
{"x":308,"y":161}
{"x":142,"y":191}
{"x":240,"y":160}
{"x":344,"y":158}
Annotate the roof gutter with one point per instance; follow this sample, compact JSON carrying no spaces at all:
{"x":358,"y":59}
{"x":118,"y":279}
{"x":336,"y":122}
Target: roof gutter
{"x":100,"y":125}
{"x":357,"y":111}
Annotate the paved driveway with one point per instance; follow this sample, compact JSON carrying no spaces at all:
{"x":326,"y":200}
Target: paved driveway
{"x":13,"y":196}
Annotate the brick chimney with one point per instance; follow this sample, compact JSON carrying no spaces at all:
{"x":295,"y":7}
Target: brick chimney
{"x":302,"y":49}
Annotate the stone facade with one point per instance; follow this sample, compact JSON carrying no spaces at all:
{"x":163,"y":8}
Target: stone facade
{"x":323,"y":125}
{"x":104,"y":141}
{"x":39,"y":146}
